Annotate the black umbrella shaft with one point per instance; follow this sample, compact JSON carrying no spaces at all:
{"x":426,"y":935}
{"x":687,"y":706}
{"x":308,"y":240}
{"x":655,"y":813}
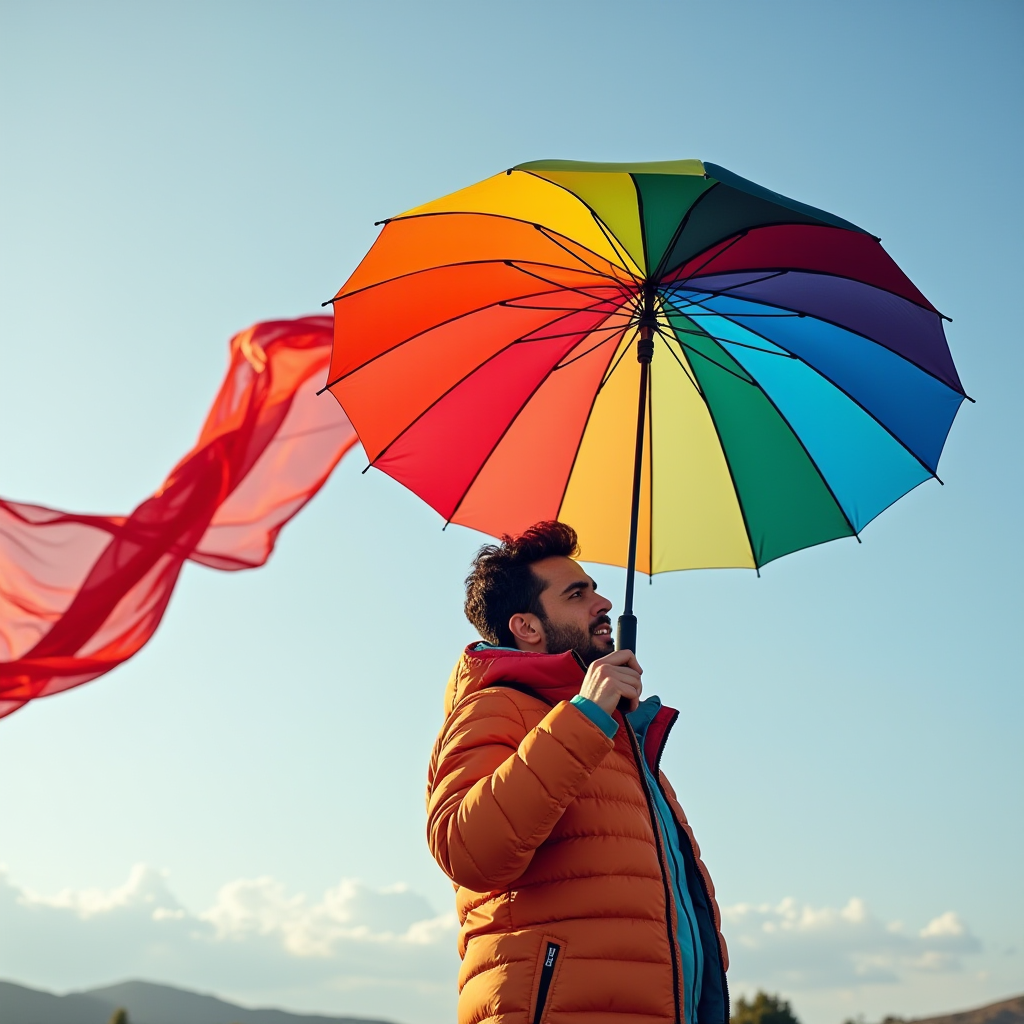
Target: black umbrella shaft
{"x":626,"y":639}
{"x":634,"y":511}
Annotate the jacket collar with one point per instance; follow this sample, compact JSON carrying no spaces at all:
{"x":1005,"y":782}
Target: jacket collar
{"x":551,"y":677}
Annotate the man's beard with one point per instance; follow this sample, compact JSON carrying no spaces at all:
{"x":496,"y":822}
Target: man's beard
{"x":574,"y":638}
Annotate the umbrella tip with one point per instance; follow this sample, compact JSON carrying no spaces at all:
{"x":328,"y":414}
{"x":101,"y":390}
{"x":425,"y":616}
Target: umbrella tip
{"x":377,"y":223}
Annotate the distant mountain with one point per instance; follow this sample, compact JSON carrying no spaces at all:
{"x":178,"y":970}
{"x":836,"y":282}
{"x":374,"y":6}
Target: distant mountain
{"x":146,"y":1004}
{"x":1008,"y":1011}
{"x":20,"y":1005}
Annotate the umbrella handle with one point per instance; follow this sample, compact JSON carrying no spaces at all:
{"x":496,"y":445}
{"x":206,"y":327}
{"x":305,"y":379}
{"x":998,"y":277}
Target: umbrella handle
{"x":625,"y":639}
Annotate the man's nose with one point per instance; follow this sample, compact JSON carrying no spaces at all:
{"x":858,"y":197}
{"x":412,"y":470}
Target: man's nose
{"x":602,"y":605}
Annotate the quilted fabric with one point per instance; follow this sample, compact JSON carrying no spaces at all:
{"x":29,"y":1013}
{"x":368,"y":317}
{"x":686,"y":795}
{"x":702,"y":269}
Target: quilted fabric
{"x":543,"y":825}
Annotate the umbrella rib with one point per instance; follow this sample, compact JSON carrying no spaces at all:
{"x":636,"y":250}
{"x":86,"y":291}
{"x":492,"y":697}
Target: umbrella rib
{"x":593,"y":307}
{"x":566,"y":288}
{"x":824,"y":320}
{"x":669,"y":285}
{"x":735,"y":486}
{"x":517,"y":220}
{"x":824,"y":376}
{"x":463,"y":263}
{"x":526,"y":339}
{"x":608,"y":376}
{"x":641,"y":220}
{"x":739,"y":344}
{"x":697,"y":351}
{"x":810,"y":458}
{"x":586,"y":423}
{"x":801,"y":270}
{"x":681,"y":228}
{"x":612,"y":240}
{"x":699,"y":200}
{"x":593,"y":348}
{"x":775,"y":271}
{"x":550,"y":236}
{"x":735,"y":489}
{"x":501,"y":438}
{"x":799,"y":440}
{"x":840,"y":388}
{"x":702,"y":332}
{"x":514,"y":304}
{"x":760,"y":316}
{"x":447,"y":392}
{"x":682,"y":366}
{"x":615,"y":301}
{"x":713,"y":362}
{"x":634,"y":320}
{"x":713,"y":257}
{"x":614,"y":243}
{"x":451,"y":320}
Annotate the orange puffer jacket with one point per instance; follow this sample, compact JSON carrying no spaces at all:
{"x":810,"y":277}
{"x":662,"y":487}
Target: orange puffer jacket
{"x":564,"y":878}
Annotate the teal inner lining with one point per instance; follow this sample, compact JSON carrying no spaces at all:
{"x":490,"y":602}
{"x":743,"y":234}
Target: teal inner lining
{"x":687,"y":933}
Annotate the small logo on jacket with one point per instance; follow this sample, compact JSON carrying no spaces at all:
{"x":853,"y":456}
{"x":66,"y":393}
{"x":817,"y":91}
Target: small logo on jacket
{"x":552,"y":953}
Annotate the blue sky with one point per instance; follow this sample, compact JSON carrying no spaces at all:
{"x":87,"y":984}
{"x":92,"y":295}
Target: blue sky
{"x":849,"y":749}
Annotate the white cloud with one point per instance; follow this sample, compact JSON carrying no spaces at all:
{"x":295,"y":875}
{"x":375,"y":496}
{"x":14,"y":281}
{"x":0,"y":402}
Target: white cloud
{"x":944,"y":925}
{"x":145,"y":889}
{"x":354,"y":950}
{"x":387,"y":953}
{"x":349,"y":912}
{"x":796,"y":945}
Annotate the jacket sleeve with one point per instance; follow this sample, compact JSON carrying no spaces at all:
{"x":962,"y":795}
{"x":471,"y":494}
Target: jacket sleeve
{"x":496,"y":789}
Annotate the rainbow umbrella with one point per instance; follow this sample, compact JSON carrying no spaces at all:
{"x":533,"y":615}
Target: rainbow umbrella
{"x":692,"y":370}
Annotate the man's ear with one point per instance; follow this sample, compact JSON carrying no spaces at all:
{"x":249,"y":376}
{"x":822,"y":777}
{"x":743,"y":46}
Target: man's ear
{"x":528,"y":631}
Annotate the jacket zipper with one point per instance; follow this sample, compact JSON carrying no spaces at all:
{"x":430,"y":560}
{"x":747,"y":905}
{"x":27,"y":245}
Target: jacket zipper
{"x":547,"y":972}
{"x":637,"y":755}
{"x":697,"y":870}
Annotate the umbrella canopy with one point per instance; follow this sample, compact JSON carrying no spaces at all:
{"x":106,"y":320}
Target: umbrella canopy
{"x":534,"y":345}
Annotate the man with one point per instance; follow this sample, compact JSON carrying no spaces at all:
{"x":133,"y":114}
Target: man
{"x":579,"y":886}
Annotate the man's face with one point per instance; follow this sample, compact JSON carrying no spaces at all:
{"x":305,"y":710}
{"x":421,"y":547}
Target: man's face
{"x":575,"y":614}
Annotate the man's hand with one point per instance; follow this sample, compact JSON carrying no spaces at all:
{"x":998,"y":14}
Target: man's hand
{"x":612,"y":678}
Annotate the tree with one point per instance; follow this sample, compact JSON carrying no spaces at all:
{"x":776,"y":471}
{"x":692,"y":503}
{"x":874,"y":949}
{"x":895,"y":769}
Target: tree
{"x":763,"y":1009}
{"x":120,"y":1016}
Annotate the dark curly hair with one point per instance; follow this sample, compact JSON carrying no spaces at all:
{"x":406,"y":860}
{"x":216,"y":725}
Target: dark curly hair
{"x":502,"y":583}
